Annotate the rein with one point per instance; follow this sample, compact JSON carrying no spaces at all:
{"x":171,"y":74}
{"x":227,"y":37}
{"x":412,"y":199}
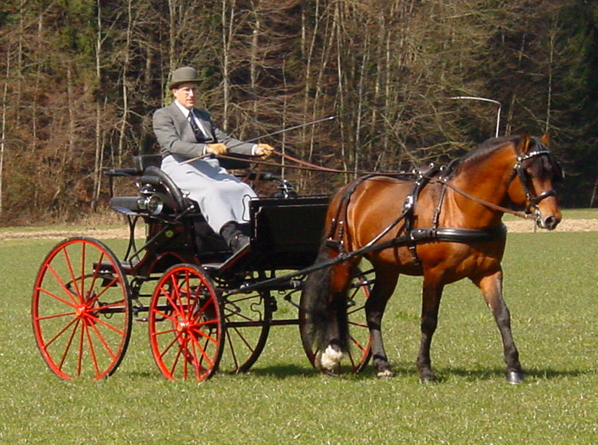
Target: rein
{"x":303,"y":165}
{"x":485,"y":203}
{"x":518,"y":170}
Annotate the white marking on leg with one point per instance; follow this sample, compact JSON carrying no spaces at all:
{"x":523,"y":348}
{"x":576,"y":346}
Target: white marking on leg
{"x":331,"y":358}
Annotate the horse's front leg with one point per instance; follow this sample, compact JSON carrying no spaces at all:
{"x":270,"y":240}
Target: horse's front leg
{"x":386,"y":281}
{"x":491,"y":287}
{"x":431,"y":294}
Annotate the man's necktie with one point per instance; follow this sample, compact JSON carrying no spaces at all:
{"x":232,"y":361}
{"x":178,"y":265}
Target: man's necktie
{"x":199,"y":136}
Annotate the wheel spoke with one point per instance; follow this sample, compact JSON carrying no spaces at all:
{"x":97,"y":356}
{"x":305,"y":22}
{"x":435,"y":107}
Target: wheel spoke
{"x":102,"y":340}
{"x":62,"y":331}
{"x":94,"y":359}
{"x":64,"y":287}
{"x":80,"y":351}
{"x":68,"y":345}
{"x":71,"y":272}
{"x":108,"y":325}
{"x":202,"y":350}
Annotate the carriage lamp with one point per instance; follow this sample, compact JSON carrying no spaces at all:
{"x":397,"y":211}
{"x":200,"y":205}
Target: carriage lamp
{"x":285,"y":190}
{"x":153,"y":204}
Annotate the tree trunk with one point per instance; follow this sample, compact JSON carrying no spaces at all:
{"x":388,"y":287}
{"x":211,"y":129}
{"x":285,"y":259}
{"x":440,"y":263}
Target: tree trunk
{"x":227,"y":35}
{"x":3,"y":127}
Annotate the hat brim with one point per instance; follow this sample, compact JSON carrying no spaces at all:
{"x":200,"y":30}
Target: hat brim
{"x":180,"y":82}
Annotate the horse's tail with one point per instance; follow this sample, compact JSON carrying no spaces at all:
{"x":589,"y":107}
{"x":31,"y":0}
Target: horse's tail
{"x":326,"y":313}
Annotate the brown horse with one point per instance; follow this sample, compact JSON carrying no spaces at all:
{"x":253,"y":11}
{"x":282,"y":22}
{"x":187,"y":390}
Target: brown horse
{"x":444,"y":226}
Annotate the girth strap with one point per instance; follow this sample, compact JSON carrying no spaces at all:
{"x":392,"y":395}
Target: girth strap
{"x":452,"y":235}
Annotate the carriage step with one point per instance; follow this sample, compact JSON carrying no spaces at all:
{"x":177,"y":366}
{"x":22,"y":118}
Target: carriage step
{"x":106,"y":266}
{"x":230,"y":260}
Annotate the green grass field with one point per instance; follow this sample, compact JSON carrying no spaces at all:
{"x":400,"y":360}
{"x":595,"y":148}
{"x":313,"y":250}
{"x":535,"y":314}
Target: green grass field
{"x":551,"y":288}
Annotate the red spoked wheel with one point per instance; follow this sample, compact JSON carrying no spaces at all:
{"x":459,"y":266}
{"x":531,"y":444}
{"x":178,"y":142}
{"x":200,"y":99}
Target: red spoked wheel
{"x":81,"y":310}
{"x":185,"y":324}
{"x":359,"y":334}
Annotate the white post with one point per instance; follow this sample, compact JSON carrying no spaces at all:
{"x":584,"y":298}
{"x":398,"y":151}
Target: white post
{"x":483,"y":99}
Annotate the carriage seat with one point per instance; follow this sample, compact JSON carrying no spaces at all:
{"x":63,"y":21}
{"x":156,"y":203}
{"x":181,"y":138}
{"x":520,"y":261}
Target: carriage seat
{"x":160,"y":197}
{"x":152,"y":181}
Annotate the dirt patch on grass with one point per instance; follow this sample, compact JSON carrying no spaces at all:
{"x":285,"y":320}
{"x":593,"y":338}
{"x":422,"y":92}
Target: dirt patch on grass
{"x":567,"y":225}
{"x":118,"y":232}
{"x":104,"y":233}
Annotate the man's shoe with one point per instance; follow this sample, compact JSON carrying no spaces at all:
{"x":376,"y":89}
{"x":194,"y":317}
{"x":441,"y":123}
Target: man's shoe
{"x":232,"y":232}
{"x":238,"y":242}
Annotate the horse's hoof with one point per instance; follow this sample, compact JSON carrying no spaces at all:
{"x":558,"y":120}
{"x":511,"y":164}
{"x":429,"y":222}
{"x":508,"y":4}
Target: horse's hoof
{"x":428,"y":380}
{"x":427,"y":377}
{"x":514,"y":377}
{"x":385,"y":374}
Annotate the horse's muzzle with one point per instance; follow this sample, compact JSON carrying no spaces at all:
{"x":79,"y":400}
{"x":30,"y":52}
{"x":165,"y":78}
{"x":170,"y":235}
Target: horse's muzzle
{"x":547,"y":222}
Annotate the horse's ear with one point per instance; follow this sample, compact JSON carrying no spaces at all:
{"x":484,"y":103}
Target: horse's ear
{"x":545,"y":139}
{"x":524,"y":144}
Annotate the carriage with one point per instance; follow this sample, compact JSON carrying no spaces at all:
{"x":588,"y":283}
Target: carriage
{"x":206,"y":308}
{"x":210,"y":310}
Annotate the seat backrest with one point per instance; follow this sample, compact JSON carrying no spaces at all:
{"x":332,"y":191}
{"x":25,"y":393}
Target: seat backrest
{"x":157,"y":177}
{"x":142,"y":162}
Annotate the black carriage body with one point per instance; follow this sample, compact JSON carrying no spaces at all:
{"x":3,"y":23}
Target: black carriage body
{"x":285,"y":231}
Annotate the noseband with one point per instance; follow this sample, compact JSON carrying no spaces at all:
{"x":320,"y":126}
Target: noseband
{"x":525,"y":179}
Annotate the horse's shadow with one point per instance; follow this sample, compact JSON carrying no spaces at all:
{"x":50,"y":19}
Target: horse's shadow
{"x":409,"y":371}
{"x":402,"y":370}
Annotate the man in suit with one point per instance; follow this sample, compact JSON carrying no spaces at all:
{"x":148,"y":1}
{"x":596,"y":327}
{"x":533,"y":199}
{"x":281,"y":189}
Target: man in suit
{"x":185,"y":132}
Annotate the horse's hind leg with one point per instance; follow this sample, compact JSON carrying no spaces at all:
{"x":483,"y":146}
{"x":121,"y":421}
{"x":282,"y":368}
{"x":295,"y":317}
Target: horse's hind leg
{"x":336,"y":329}
{"x":491,"y":287}
{"x":386,"y":281}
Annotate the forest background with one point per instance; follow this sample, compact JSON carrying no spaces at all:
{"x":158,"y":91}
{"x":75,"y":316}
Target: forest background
{"x":80,"y":80}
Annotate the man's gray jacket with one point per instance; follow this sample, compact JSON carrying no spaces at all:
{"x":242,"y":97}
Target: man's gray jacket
{"x":176,"y":137}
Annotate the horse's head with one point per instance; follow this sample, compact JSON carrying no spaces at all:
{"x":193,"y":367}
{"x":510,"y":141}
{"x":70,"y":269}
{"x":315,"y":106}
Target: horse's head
{"x":531,"y":187}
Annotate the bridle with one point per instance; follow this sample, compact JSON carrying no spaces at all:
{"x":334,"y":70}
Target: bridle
{"x":525,"y":180}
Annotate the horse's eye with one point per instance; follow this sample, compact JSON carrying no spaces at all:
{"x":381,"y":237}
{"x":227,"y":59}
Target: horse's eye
{"x":543,"y":167}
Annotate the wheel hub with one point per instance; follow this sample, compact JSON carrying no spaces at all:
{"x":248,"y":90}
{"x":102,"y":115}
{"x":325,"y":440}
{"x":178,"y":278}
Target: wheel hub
{"x":183,"y":326}
{"x":85,"y":313}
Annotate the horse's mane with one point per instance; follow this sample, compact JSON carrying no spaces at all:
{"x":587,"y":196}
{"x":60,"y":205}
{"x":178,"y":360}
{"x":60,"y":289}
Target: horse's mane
{"x":484,"y":150}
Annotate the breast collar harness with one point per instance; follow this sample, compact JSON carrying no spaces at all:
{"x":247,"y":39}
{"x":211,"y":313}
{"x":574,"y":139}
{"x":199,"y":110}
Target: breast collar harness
{"x":413,"y":236}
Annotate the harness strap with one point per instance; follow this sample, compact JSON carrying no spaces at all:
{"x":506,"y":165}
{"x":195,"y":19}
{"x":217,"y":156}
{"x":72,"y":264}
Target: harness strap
{"x":485,"y":203}
{"x":441,"y":234}
{"x":335,"y":235}
{"x":452,"y":235}
{"x":423,"y":178}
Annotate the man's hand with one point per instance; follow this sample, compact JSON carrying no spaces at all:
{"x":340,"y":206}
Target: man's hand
{"x":216,"y":149}
{"x":263,"y":150}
